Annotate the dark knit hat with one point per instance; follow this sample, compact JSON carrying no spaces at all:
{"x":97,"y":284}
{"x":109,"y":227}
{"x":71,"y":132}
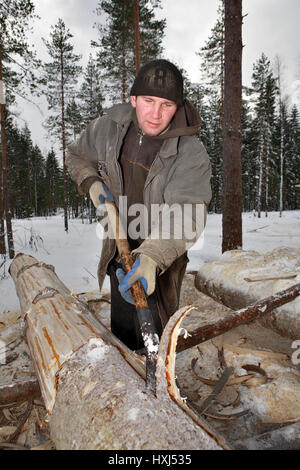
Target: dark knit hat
{"x":159,"y":78}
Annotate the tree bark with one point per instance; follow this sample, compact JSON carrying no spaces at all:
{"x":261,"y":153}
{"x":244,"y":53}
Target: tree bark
{"x":232,"y":169}
{"x":224,"y":282}
{"x":2,"y":228}
{"x":92,"y":384}
{"x":10,"y":239}
{"x":136,"y":36}
{"x":264,"y":306}
{"x":64,"y":143}
{"x":19,"y":391}
{"x":261,"y":169}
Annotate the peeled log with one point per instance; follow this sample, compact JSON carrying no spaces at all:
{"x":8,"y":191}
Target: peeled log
{"x":227,"y":281}
{"x":92,"y":385}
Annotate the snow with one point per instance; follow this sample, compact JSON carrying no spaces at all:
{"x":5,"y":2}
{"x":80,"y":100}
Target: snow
{"x":75,"y":254}
{"x":133,"y":414}
{"x":97,"y":350}
{"x":259,"y":234}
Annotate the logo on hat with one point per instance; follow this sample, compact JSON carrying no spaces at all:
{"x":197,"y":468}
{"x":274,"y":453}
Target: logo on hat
{"x":159,"y":78}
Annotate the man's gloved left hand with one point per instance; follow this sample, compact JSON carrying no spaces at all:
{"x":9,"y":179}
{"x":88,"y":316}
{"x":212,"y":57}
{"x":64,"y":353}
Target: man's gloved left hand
{"x":99,"y":193}
{"x":143,"y":270}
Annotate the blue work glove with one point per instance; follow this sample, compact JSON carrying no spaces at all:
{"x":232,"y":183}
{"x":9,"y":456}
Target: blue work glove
{"x":143,"y":270}
{"x":99,"y":193}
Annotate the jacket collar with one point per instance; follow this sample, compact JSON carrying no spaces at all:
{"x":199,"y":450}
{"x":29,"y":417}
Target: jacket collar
{"x":122,"y":115}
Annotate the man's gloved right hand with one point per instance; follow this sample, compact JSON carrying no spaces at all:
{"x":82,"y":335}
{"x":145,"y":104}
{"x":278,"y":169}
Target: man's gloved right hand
{"x":99,"y":193}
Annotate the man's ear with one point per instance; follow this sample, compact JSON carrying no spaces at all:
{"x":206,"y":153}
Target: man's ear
{"x":133,"y":101}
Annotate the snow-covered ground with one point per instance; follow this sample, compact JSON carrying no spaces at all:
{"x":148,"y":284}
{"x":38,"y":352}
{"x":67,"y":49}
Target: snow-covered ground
{"x":75,"y":254}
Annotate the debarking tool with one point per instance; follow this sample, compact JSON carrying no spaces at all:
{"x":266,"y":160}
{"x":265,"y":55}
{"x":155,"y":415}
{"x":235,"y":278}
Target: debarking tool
{"x":144,"y":314}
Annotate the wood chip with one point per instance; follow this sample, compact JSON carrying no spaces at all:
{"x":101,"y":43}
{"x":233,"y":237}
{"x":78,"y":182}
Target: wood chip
{"x":256,"y":352}
{"x":273,"y":278}
{"x":8,"y":415}
{"x":225,"y":416}
{"x":23,"y":420}
{"x":6,"y":431}
{"x":217,"y":390}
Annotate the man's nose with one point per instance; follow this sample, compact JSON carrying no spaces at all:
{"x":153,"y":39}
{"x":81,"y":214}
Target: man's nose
{"x":156,"y":111}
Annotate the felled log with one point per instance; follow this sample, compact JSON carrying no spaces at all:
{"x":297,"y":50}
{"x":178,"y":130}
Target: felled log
{"x":19,"y":391}
{"x":244,"y":315}
{"x":227,"y":281}
{"x":284,"y":438}
{"x":92,"y":385}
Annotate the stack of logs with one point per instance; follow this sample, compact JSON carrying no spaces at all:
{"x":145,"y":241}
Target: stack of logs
{"x":93,"y":385}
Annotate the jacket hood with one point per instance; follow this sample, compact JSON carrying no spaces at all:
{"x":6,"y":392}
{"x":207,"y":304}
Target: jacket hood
{"x":186,"y":121}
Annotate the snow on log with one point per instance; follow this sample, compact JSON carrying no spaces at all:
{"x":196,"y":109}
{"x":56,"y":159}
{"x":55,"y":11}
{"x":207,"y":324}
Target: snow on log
{"x":241,"y":278}
{"x":92,"y":385}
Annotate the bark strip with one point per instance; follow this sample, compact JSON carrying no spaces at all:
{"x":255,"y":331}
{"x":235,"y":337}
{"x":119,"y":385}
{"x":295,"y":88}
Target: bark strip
{"x":19,"y":391}
{"x":237,"y":318}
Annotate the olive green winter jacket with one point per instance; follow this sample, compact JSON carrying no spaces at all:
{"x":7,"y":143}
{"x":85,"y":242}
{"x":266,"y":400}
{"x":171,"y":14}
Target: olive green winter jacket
{"x":180,"y":174}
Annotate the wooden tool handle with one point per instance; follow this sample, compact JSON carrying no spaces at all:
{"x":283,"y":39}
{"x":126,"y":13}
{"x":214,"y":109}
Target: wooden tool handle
{"x":137,"y":291}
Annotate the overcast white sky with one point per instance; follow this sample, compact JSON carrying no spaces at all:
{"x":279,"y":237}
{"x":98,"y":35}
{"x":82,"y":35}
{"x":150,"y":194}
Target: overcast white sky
{"x":271,"y":26}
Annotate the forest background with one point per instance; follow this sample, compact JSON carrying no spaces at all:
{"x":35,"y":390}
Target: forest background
{"x":34,"y":179}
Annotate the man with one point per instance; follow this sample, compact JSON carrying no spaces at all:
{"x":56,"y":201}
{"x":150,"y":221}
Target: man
{"x":148,"y":150}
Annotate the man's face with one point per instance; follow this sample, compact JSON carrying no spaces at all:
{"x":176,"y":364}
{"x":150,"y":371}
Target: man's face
{"x":153,"y":114}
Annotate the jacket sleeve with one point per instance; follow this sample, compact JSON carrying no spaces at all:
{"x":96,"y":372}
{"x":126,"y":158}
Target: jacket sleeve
{"x":183,"y":215}
{"x":82,"y":158}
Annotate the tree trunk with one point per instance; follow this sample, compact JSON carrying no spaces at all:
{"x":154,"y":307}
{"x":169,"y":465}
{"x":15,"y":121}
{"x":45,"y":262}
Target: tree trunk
{"x":267,"y":179}
{"x":92,"y":383}
{"x":232,"y":169}
{"x":136,"y":36}
{"x":2,"y":228}
{"x":281,"y":164}
{"x":261,"y":170}
{"x":64,"y":144}
{"x":10,"y":239}
{"x":123,"y":72}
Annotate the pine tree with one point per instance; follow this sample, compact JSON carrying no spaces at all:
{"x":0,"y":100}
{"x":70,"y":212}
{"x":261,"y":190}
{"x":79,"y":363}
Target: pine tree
{"x":264,"y":90}
{"x":136,"y":24}
{"x":116,"y":44}
{"x":54,"y":187}
{"x":60,"y":79}
{"x":38,"y":180}
{"x":214,"y":148}
{"x":292,"y":159}
{"x":14,"y":23}
{"x":249,"y":167}
{"x":232,"y":167}
{"x":73,"y":120}
{"x":212,"y":71}
{"x":26,"y":172}
{"x":213,"y":58}
{"x":91,"y":93}
{"x":282,"y":111}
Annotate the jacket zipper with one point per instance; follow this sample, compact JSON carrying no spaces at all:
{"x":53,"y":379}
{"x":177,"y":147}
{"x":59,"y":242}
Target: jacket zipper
{"x":141,"y":135}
